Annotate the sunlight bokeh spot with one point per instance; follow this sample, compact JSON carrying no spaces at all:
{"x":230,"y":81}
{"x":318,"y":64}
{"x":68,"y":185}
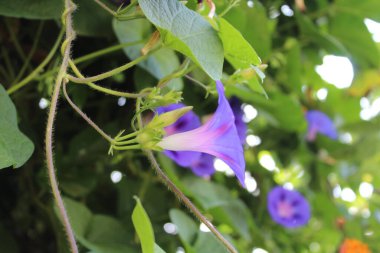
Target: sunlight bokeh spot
{"x":336,"y":70}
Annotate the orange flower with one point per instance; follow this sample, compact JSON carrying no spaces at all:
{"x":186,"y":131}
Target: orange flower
{"x":353,"y":246}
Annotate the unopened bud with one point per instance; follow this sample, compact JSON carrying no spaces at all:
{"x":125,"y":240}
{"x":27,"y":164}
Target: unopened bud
{"x":168,"y":118}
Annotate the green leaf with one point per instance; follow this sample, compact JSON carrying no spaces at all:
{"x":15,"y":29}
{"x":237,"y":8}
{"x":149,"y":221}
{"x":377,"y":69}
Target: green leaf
{"x":320,"y":39}
{"x":254,"y":25}
{"x":159,"y":64}
{"x":249,"y":77}
{"x":241,"y":55}
{"x":208,"y":194}
{"x":293,"y":69}
{"x":143,"y":227}
{"x":91,"y":20}
{"x":236,"y":215}
{"x":358,"y":40}
{"x":15,"y":147}
{"x":32,"y":9}
{"x":193,"y":239}
{"x":363,"y":9}
{"x":187,"y":32}
{"x":349,"y":110}
{"x":217,"y":200}
{"x":187,"y":228}
{"x":99,"y":233}
{"x":157,"y":249}
{"x":237,"y":50}
{"x":207,"y":243}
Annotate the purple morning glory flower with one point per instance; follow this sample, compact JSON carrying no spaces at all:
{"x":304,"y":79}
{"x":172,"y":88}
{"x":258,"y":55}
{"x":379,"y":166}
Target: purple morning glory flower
{"x":288,"y":207}
{"x":217,"y":137}
{"x":188,"y":121}
{"x":204,"y":166}
{"x":241,"y":127}
{"x":318,"y":122}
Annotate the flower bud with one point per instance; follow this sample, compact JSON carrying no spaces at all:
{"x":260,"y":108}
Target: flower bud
{"x":154,"y":131}
{"x":168,"y":118}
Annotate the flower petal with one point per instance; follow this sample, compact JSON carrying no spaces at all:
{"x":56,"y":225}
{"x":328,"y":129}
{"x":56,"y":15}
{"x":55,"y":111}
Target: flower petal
{"x":319,"y":122}
{"x":300,"y":207}
{"x":204,"y":166}
{"x":218,"y":137}
{"x":187,"y":122}
{"x":241,"y":126}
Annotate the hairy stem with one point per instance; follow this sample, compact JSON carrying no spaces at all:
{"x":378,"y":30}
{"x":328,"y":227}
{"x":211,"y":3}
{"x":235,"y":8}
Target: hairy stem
{"x":66,"y":45}
{"x":85,"y":117}
{"x":187,"y":202}
{"x":105,"y":7}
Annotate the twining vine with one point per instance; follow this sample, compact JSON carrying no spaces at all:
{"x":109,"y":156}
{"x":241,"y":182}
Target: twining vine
{"x":65,"y":49}
{"x":61,"y":81}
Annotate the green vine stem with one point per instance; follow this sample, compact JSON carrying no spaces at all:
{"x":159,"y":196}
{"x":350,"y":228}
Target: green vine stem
{"x":66,"y":46}
{"x":95,"y":54}
{"x":187,"y":202}
{"x":102,"y":89}
{"x":127,"y":8}
{"x":184,"y":69}
{"x":8,"y":64}
{"x":105,"y":51}
{"x":15,"y":41}
{"x":85,"y":117}
{"x":113,"y":71}
{"x":105,"y":7}
{"x":35,"y":72}
{"x":231,"y":4}
{"x":119,"y":13}
{"x":31,"y":52}
{"x":202,"y":85}
{"x":130,"y":147}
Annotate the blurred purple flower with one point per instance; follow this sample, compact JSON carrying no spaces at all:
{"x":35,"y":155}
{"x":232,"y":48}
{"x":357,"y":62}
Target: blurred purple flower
{"x":187,"y":122}
{"x":288,"y":208}
{"x":318,"y":122}
{"x":217,"y":137}
{"x":241,"y":127}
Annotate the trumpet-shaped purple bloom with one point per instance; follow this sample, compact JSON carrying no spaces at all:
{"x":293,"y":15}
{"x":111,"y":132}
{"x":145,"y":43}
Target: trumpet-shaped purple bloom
{"x":217,"y":137}
{"x":200,"y":163}
{"x":318,"y":122}
{"x":241,"y":127}
{"x":188,"y":121}
{"x":288,"y":207}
